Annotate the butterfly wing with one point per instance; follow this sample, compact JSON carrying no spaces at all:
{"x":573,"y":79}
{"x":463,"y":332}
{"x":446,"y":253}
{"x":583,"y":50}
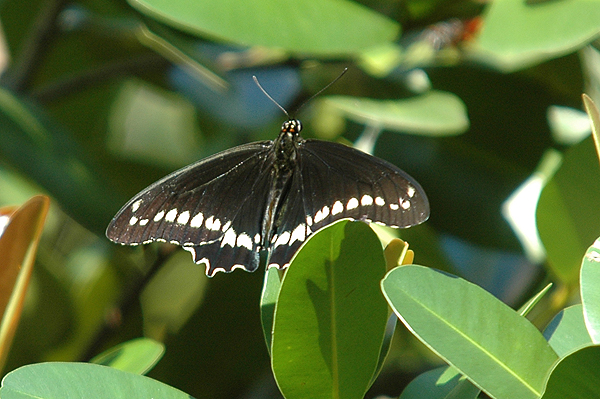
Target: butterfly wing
{"x":213,"y":208}
{"x":333,"y":181}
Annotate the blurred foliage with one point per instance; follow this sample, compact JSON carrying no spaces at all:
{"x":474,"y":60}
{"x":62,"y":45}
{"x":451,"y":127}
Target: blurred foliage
{"x":98,"y":100}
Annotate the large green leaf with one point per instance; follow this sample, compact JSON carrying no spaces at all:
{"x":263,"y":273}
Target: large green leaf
{"x":324,"y":27}
{"x":497,"y":349}
{"x":575,"y":376}
{"x":82,"y":380}
{"x":518,"y":33}
{"x":568,"y":215}
{"x":330,"y":317}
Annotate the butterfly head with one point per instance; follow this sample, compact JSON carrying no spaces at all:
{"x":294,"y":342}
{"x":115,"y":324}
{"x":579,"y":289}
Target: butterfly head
{"x":292,"y":126}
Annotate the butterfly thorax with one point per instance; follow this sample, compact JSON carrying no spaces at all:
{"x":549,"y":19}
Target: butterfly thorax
{"x":286,"y":145}
{"x":286,"y":149}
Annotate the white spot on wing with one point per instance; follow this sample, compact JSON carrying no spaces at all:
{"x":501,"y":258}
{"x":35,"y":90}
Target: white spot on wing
{"x":309,"y":220}
{"x":245,"y":241}
{"x":394,"y":207}
{"x":322,"y":214}
{"x":209,"y":222}
{"x":283,"y":239}
{"x":226,"y":226}
{"x":159,"y":216}
{"x":410,"y":191}
{"x":278,"y":266}
{"x":318,"y":216}
{"x":257,"y":238}
{"x":183,"y":217}
{"x":405,"y":204}
{"x":197,"y":220}
{"x":144,"y":222}
{"x":136,"y":205}
{"x":337,"y":208}
{"x":229,"y":238}
{"x":366,"y":200}
{"x":170,"y":217}
{"x":216,"y":226}
{"x":379,"y":201}
{"x":133,"y":220}
{"x":352,"y":204}
{"x":299,"y":234}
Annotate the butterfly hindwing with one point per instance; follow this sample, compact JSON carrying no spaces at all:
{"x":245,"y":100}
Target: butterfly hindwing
{"x":333,"y":181}
{"x":208,"y":207}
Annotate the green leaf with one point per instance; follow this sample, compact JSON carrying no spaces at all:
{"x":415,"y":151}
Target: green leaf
{"x":575,"y":376}
{"x":330,"y":317}
{"x":590,"y":290}
{"x":440,"y":383}
{"x":300,"y":26}
{"x":527,"y":306}
{"x":498,"y":350}
{"x":516,"y":34}
{"x":566,"y":332}
{"x":268,"y":299}
{"x":435,"y":113}
{"x":82,"y":380}
{"x":137,"y":356}
{"x":568,"y":214}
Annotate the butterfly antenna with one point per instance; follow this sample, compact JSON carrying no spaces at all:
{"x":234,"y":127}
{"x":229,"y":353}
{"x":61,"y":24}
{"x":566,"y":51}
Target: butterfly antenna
{"x":269,"y":97}
{"x":322,"y":90}
{"x":305,"y":102}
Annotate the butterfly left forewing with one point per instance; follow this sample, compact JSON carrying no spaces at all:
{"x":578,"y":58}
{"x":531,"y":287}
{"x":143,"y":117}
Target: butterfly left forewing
{"x":359,"y":186}
{"x":333,"y":182}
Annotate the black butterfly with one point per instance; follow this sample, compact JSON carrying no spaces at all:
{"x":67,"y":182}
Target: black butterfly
{"x":269,"y":195}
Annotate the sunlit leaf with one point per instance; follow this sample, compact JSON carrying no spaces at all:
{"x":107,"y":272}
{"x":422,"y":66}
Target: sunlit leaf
{"x":301,"y":26}
{"x":82,"y":380}
{"x":330,"y":317}
{"x":435,"y":113}
{"x":566,"y":332}
{"x":590,"y":290}
{"x":18,"y":244}
{"x":268,"y":299}
{"x":497,"y":349}
{"x":516,"y":34}
{"x":137,"y":356}
{"x":440,"y":383}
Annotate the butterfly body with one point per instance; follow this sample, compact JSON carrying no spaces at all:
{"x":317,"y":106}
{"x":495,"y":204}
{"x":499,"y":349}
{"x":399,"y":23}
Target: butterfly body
{"x":269,"y":195}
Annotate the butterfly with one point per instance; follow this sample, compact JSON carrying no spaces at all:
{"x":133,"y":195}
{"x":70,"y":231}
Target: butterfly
{"x":268,"y":195}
